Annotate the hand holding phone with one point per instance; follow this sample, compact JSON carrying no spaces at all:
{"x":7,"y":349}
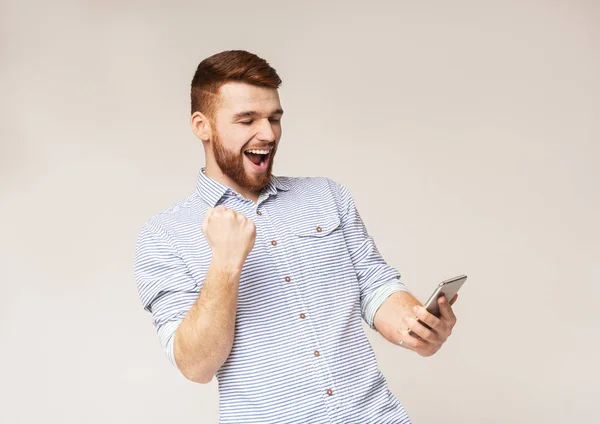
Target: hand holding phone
{"x":447,"y":288}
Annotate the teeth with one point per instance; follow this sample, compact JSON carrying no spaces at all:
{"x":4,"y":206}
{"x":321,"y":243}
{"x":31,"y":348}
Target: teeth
{"x":258,"y":152}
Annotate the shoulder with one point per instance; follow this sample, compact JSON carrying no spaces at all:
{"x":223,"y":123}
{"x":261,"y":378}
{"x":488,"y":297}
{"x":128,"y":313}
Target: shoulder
{"x":324,"y":190}
{"x":176,"y":220}
{"x":313,"y":185}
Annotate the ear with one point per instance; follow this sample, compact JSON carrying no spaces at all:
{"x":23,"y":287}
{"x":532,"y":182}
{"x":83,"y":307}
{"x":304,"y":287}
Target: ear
{"x":201,"y":126}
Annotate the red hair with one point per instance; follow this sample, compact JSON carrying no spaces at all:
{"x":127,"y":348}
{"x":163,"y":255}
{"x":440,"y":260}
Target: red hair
{"x":224,"y":67}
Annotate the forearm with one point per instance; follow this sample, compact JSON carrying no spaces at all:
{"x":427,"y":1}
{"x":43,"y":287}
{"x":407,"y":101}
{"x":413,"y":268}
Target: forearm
{"x":388,"y":318}
{"x":205,"y":337}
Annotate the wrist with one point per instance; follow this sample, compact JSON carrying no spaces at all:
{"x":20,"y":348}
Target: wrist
{"x":227,"y":265}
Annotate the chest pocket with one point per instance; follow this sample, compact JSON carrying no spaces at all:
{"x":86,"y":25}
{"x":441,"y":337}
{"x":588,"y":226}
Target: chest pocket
{"x":317,"y":227}
{"x":320,"y":242}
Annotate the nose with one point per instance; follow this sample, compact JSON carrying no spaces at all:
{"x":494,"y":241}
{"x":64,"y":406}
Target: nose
{"x":265,"y":132}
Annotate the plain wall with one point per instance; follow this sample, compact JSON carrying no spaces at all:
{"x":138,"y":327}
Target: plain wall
{"x":467,"y":131}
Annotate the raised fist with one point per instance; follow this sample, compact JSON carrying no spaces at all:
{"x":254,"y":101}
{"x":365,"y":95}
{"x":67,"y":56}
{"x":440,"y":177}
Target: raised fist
{"x":230,"y":235}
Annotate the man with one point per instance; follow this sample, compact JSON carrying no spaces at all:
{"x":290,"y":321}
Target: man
{"x":262,"y":281}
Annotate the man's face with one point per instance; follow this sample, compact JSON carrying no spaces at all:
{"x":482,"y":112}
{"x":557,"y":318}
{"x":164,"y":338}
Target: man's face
{"x":247,"y":120}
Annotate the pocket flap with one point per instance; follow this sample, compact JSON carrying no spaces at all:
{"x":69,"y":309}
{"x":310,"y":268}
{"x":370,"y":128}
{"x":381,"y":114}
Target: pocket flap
{"x":318,"y":226}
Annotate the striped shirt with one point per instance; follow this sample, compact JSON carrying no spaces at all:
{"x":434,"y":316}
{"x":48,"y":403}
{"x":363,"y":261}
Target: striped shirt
{"x":300,"y":353}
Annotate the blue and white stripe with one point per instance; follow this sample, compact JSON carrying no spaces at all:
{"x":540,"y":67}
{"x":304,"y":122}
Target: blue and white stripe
{"x":336,"y":276}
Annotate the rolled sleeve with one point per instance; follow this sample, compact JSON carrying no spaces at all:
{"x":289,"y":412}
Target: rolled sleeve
{"x":165,"y":286}
{"x":166,"y":335}
{"x":371,"y":302}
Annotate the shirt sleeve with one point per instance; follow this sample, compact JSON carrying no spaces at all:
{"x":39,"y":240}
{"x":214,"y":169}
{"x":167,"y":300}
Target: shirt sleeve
{"x":165,"y":286}
{"x":372,"y":301}
{"x":377,"y":279}
{"x":166,"y":335}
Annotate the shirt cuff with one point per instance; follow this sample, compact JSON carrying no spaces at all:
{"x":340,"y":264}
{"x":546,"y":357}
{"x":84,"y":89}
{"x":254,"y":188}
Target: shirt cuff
{"x":375,"y":299}
{"x":166,"y":335}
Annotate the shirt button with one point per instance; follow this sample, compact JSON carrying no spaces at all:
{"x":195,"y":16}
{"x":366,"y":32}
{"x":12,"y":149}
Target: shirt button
{"x":302,"y":316}
{"x":274,"y":243}
{"x":319,"y":229}
{"x":329,"y":392}
{"x":317,"y":353}
{"x":258,"y":212}
{"x":288,"y":279}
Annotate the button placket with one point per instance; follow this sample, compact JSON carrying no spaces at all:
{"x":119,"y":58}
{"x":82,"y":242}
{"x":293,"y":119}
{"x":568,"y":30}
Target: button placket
{"x":325,"y":378}
{"x":285,"y":258}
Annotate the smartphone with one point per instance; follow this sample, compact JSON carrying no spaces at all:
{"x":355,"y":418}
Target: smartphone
{"x":447,"y":288}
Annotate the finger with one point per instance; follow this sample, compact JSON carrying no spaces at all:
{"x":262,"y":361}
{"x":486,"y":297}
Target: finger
{"x":409,"y":342}
{"x":428,"y":318}
{"x":207,"y":215}
{"x":446,"y":310}
{"x":454,"y":299}
{"x":220,"y":209}
{"x":419,"y":329}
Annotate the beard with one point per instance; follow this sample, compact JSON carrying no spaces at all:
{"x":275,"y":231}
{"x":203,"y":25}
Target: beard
{"x":232,"y":165}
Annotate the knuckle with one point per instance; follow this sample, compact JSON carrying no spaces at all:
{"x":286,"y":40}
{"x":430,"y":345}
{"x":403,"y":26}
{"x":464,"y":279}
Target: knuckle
{"x":250,"y":228}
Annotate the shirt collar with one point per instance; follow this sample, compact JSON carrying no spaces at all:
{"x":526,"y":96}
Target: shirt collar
{"x":213,"y":191}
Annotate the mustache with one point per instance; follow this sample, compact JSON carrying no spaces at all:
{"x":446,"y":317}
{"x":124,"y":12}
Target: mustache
{"x":261,"y":147}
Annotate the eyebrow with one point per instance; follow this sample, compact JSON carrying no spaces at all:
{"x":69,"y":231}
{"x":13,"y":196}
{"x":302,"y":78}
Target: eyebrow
{"x":253,"y":113}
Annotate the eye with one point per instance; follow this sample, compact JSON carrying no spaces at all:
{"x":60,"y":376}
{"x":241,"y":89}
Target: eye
{"x":275,"y":120}
{"x":246,"y":122}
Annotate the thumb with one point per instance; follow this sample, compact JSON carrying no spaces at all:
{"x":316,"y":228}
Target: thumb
{"x":205,"y":220}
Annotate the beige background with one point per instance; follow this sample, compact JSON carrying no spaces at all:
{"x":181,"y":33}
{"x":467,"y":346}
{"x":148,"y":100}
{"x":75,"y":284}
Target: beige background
{"x":468,"y":132}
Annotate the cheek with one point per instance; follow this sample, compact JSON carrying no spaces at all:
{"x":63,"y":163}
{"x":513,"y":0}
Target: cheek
{"x":235,"y":140}
{"x":241,"y":137}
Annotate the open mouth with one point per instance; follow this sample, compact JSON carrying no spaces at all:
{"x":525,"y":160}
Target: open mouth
{"x":259,"y":159}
